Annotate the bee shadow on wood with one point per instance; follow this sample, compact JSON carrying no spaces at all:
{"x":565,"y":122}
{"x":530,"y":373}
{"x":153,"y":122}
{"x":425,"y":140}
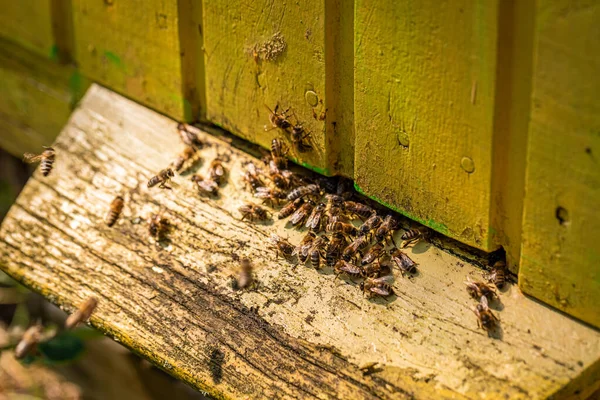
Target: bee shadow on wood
{"x":496,"y":333}
{"x":383,"y":301}
{"x":496,"y":304}
{"x":421,"y":247}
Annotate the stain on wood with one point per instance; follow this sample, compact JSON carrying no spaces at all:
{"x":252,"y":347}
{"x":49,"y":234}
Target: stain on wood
{"x":173,"y":303}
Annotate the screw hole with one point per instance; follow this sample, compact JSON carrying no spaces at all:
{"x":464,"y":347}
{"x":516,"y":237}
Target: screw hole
{"x":562,"y":215}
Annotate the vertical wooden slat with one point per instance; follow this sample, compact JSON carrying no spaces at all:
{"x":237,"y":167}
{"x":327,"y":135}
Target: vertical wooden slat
{"x":560,"y":262}
{"x":242,"y":79}
{"x":424,"y":106}
{"x":29,"y":24}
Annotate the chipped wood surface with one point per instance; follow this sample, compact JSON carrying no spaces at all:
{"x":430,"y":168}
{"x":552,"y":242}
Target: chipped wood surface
{"x":174,"y":303}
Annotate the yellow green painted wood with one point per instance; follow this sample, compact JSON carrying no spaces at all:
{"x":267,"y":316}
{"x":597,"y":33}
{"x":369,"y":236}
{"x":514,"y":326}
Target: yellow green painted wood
{"x":36,"y":98}
{"x":424,"y":107}
{"x":134,"y":48}
{"x":560,"y":261}
{"x":29,"y":23}
{"x":264,"y":53}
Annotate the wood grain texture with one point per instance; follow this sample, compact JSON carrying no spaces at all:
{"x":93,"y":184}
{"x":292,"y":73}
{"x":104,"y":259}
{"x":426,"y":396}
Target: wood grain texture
{"x":133,"y":47}
{"x":29,"y":24}
{"x":560,"y":262}
{"x":36,"y":98}
{"x":424,"y":107}
{"x":174,"y":303}
{"x":238,"y":87}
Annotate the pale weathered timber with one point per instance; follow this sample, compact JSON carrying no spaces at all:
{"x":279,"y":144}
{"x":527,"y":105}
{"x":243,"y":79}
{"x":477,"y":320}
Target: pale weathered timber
{"x":173,"y":303}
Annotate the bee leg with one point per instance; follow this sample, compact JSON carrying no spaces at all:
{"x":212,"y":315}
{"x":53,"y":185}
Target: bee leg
{"x":393,"y":241}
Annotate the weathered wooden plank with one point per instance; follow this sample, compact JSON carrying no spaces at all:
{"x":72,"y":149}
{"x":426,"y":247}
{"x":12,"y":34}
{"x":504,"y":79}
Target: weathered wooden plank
{"x":424,"y":97}
{"x":560,"y":261}
{"x":266,"y":53}
{"x":174,"y":303}
{"x":134,"y":47}
{"x":36,"y":98}
{"x":29,"y":23}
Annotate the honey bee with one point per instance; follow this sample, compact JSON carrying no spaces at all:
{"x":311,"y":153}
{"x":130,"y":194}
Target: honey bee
{"x":189,"y":138}
{"x":278,"y":120}
{"x":46,"y":159}
{"x":269,"y":195}
{"x":403,"y":261}
{"x":370,"y":225}
{"x":299,"y":137}
{"x":335,"y":248}
{"x":345,"y":188}
{"x":252,"y":176}
{"x":278,"y":152}
{"x":378,"y":286}
{"x":333,"y":211}
{"x":477,"y":289}
{"x":253,"y":212}
{"x":29,"y":341}
{"x":116,"y":206}
{"x":205,"y":186}
{"x":359,"y":244}
{"x":344,"y":267}
{"x":485,"y":317}
{"x":158,"y":226}
{"x":290,"y":208}
{"x":374,"y":253}
{"x":282,"y":179}
{"x":412,"y":235}
{"x":305,"y":245}
{"x":315,"y":220}
{"x":363,"y":211}
{"x":282,"y":246}
{"x":188,"y":154}
{"x":302,"y":213}
{"x":82,"y":314}
{"x":216,"y":171}
{"x":341,"y":227}
{"x":327,"y":184}
{"x":498,"y":274}
{"x":302,"y":191}
{"x":245,"y":278}
{"x":386,"y":229}
{"x":377,"y":269}
{"x":163,"y":178}
{"x":316,"y":251}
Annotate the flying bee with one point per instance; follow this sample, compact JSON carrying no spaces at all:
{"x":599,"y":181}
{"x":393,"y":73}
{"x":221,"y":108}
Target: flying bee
{"x":279,"y":152}
{"x":163,"y":177}
{"x":358,"y":245}
{"x":29,"y":341}
{"x":316,"y":251}
{"x":186,"y":160}
{"x":386,"y":229}
{"x":363,"y":211}
{"x":377,"y":269}
{"x":304,"y":247}
{"x":373,"y":254}
{"x":403,"y":261}
{"x":477,"y":289}
{"x":245,"y":278}
{"x":485,"y":317}
{"x":252,"y":176}
{"x":344,"y":267}
{"x":335,"y":248}
{"x":158,"y":226}
{"x":370,"y":225}
{"x":253,"y":212}
{"x":278,"y":119}
{"x":269,"y":195}
{"x":189,"y":138}
{"x":290,"y":208}
{"x":342,"y":227}
{"x":303,"y":191}
{"x":299,"y":138}
{"x":379,"y":286}
{"x":216,"y":171}
{"x":300,"y":215}
{"x":498,"y":274}
{"x":46,"y":159}
{"x":205,"y":186}
{"x":282,"y":246}
{"x":116,"y":206}
{"x":412,"y":235}
{"x":315,"y":221}
{"x":82,"y":314}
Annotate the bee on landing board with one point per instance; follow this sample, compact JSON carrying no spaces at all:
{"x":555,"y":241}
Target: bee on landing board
{"x":253,"y":176}
{"x":303,"y":191}
{"x":278,"y":153}
{"x":370,"y":225}
{"x":498,"y":274}
{"x":317,"y":250}
{"x":378,"y":286}
{"x":373,"y":254}
{"x":413,"y":235}
{"x":245,"y":278}
{"x":363,"y":211}
{"x":485,"y":317}
{"x":82,"y":314}
{"x":377,"y":269}
{"x":477,"y":289}
{"x":403,"y":261}
{"x":304,"y":247}
{"x":315,"y":220}
{"x":272,"y":196}
{"x":253,"y":212}
{"x":46,"y":159}
{"x":386,"y":230}
{"x":216,"y":171}
{"x":337,"y":243}
{"x":344,"y":267}
{"x":290,"y":208}
{"x":356,"y":247}
{"x":301,"y":214}
{"x":189,"y":138}
{"x":162,"y":178}
{"x":116,"y":206}
{"x":341,"y":227}
{"x":282,"y":246}
{"x":158,"y":226}
{"x":205,"y":186}
{"x":185,"y":160}
{"x":29,"y":341}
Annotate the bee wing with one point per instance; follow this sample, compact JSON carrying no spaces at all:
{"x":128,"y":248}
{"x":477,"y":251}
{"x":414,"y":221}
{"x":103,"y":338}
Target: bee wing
{"x":380,"y":291}
{"x":484,"y":302}
{"x":389,"y":279}
{"x":31,"y":158}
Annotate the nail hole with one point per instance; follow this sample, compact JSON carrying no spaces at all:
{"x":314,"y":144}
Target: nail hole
{"x":588,"y":150}
{"x":562,"y":215}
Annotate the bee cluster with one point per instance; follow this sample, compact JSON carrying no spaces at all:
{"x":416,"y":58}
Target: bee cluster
{"x":485,"y":294}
